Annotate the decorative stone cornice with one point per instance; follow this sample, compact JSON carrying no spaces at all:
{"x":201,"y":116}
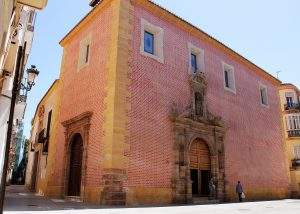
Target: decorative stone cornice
{"x":83,"y":118}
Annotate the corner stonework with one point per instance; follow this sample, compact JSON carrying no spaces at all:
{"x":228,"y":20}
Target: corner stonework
{"x":113,"y":193}
{"x":115,"y":162}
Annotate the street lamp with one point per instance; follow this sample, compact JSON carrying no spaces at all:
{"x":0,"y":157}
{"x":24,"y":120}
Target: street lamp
{"x":32,"y":73}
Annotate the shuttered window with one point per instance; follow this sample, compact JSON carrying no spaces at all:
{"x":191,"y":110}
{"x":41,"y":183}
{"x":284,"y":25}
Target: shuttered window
{"x":293,"y":122}
{"x":297,"y":152}
{"x":46,"y":145}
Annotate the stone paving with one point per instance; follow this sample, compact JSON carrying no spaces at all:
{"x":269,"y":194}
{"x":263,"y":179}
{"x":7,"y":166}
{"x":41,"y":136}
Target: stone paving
{"x":20,"y":201}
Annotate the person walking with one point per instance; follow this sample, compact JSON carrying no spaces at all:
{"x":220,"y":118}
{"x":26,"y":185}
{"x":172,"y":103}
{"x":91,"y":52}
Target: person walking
{"x":239,"y":191}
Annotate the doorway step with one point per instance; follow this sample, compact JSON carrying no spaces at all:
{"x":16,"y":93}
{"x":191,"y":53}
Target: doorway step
{"x":73,"y":199}
{"x":204,"y":200}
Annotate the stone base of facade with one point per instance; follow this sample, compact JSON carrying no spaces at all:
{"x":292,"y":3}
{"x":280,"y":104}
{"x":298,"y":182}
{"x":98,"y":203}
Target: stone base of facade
{"x":258,"y":194}
{"x":295,"y":181}
{"x":93,"y":194}
{"x":138,"y":196}
{"x":113,"y":193}
{"x":54,"y":192}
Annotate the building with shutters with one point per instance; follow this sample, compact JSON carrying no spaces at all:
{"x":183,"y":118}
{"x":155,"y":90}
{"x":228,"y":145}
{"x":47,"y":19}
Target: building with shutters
{"x":152,"y":109}
{"x":290,"y":107}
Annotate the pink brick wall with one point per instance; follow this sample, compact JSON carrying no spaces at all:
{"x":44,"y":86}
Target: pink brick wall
{"x":253,"y":145}
{"x":84,"y":90}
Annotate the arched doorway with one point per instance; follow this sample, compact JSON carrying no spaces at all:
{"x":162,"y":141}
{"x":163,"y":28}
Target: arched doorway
{"x":200,"y":167}
{"x":75,"y":165}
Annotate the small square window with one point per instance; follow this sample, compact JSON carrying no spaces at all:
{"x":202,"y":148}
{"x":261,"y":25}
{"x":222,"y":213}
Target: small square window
{"x":263,"y":95}
{"x":194,"y":63}
{"x":149,"y":42}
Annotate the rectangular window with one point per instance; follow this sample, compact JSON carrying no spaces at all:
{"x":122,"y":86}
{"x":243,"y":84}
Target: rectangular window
{"x":264,"y":95}
{"x":289,"y":101}
{"x":297,"y":152}
{"x":46,"y":145}
{"x":84,"y":52}
{"x":152,"y":41}
{"x":149,"y":42}
{"x":229,"y":78}
{"x":194,"y":62}
{"x":87,"y":53}
{"x":226,"y":75}
{"x":196,"y":59}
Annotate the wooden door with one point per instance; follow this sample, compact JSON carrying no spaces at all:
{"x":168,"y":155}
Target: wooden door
{"x":200,"y":166}
{"x":35,"y":171}
{"x":76,"y":152}
{"x":199,"y":156}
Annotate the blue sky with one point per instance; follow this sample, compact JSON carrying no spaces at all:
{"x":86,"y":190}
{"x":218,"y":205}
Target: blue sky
{"x":266,"y":32}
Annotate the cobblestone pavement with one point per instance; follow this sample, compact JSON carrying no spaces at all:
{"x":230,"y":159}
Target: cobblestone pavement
{"x":20,"y":201}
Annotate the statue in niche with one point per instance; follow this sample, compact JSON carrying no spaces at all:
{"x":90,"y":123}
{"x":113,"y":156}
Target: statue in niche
{"x":199,"y":104}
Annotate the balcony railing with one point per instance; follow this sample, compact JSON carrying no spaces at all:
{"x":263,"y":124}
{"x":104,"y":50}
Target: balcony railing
{"x":294,"y":133}
{"x":292,"y":106}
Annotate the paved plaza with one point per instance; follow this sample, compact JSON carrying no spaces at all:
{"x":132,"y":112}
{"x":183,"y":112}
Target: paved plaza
{"x":20,"y":201}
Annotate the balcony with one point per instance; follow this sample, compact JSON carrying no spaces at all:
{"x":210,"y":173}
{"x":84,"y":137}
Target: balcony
{"x":292,"y":106}
{"x":294,"y":133}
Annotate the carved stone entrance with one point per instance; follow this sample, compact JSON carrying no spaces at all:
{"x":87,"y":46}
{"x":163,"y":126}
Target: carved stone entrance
{"x":75,"y":147}
{"x":194,"y":124}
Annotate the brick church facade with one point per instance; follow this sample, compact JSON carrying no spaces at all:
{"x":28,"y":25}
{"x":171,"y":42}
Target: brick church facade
{"x":152,"y":109}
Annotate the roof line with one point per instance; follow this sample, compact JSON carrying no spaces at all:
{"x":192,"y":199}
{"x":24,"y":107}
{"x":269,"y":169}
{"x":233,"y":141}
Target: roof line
{"x":213,"y":38}
{"x":189,"y":24}
{"x":83,"y":19}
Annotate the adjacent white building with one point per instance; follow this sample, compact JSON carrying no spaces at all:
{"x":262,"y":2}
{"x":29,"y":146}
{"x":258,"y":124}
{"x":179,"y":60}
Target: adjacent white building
{"x":17,"y":19}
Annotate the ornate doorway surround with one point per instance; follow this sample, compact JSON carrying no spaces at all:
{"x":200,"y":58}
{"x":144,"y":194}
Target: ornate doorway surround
{"x":193,"y":123}
{"x":79,"y":125}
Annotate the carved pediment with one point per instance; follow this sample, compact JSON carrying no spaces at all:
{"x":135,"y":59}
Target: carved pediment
{"x":197,"y":110}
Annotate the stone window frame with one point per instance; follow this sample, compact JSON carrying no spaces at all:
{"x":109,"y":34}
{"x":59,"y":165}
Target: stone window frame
{"x":231,"y":72}
{"x":158,"y":33}
{"x":199,"y":52}
{"x":84,"y":49}
{"x":263,"y":87}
